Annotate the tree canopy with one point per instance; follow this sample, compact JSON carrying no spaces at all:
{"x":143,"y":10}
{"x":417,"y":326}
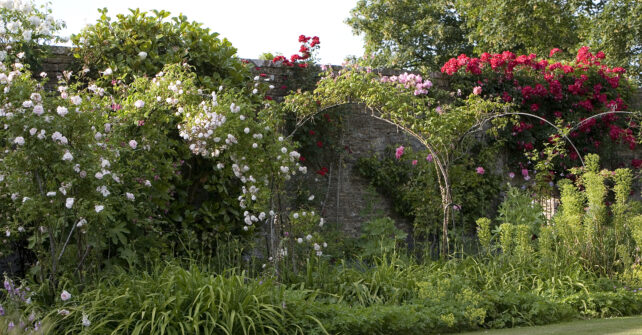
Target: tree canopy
{"x":423,"y":34}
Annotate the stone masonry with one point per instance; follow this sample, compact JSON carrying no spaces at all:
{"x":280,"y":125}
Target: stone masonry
{"x":349,"y":200}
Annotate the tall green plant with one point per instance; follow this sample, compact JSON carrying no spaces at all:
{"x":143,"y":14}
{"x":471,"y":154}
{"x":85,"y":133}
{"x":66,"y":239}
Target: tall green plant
{"x":507,"y":237}
{"x":599,"y":235}
{"x":519,"y":208}
{"x":484,"y":234}
{"x":173,"y":300}
{"x":380,"y":237}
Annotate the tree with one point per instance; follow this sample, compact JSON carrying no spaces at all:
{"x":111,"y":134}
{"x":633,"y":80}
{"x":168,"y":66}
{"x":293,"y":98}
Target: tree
{"x":525,"y":26}
{"x":423,"y":34}
{"x":617,"y":30}
{"x":408,"y":33}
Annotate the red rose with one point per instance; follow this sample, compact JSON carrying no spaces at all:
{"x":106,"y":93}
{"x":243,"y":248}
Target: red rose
{"x":323,"y":171}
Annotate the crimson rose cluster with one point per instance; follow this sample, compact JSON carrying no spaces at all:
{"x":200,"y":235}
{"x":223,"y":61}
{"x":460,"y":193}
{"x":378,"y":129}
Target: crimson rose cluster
{"x":561,"y":91}
{"x":308,"y":46}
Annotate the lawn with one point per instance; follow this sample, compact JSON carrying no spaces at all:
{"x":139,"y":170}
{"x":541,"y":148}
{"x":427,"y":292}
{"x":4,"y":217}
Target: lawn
{"x":619,"y":326}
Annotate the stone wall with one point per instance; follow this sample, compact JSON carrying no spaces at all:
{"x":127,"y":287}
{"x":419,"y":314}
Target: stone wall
{"x":347,"y":197}
{"x":61,"y":59}
{"x":348,"y":200}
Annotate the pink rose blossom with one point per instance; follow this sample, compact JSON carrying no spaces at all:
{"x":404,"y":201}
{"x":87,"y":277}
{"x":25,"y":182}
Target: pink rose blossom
{"x":525,"y":173}
{"x":477,"y":90}
{"x":399,"y":152}
{"x":480,"y":170}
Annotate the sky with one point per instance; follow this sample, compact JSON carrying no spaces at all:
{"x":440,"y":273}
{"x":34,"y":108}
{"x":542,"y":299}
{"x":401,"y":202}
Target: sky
{"x":252,"y":26}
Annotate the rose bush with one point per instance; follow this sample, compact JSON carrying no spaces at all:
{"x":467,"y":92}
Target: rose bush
{"x":29,"y":28}
{"x":141,"y":43}
{"x":565,"y":92}
{"x":89,"y":175}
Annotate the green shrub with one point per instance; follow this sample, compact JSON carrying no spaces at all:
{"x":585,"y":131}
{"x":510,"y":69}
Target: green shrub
{"x":140,"y":44}
{"x":414,"y":189}
{"x":380,"y":237}
{"x":28,"y":29}
{"x":519,"y":208}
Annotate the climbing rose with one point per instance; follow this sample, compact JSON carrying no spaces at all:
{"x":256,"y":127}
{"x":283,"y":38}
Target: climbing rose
{"x":480,"y":170}
{"x":62,"y":111}
{"x":139,"y":103}
{"x":477,"y":90}
{"x":67,"y":156}
{"x":525,"y":173}
{"x":399,"y":152}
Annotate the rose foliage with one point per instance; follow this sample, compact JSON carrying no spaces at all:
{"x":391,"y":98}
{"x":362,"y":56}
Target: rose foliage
{"x":89,"y":175}
{"x":568,"y":93}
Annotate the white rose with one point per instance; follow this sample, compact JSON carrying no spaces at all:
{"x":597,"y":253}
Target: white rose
{"x":67,"y":156}
{"x":62,"y":111}
{"x":65,"y":295}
